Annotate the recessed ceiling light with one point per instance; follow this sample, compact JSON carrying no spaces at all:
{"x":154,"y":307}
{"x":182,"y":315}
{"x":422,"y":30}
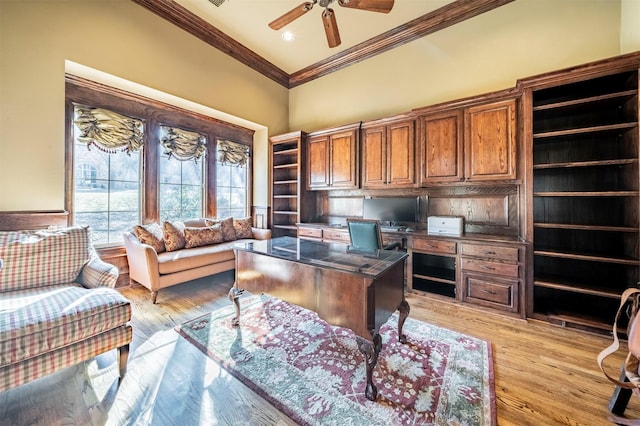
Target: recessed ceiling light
{"x":287,"y":36}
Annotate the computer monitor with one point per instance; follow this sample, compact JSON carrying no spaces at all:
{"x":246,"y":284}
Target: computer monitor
{"x":391,"y":210}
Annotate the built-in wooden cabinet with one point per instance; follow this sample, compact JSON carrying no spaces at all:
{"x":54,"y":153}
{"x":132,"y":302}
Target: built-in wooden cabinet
{"x":490,"y":141}
{"x":440,"y":141}
{"x":333,"y":161}
{"x":388,"y":154}
{"x":490,"y":275}
{"x":291,"y":203}
{"x":472,"y":270}
{"x":476,"y":143}
{"x":432,"y":267}
{"x":584,"y":194}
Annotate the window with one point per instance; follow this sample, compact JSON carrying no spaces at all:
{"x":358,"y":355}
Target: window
{"x":180,"y":174}
{"x":106,"y":193}
{"x":231,"y":179}
{"x":132,"y":160}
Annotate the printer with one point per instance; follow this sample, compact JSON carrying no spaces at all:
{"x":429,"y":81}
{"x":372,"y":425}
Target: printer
{"x":445,"y":225}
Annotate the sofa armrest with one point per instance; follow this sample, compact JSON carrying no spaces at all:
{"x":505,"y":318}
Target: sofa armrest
{"x":98,"y":273}
{"x":143,"y":262}
{"x":261,"y":234}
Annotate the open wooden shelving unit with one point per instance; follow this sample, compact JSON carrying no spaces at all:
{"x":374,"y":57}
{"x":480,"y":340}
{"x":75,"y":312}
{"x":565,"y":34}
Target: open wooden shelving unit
{"x":291,"y":203}
{"x":585,"y":207}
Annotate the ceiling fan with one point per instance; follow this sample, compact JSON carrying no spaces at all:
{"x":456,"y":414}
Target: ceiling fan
{"x":328,"y":16}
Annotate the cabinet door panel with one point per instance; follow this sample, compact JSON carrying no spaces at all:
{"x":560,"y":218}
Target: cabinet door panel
{"x":374,"y":157}
{"x":318,"y":163}
{"x":400,"y":148}
{"x":343,"y":161}
{"x":441,"y":148}
{"x":490,"y":141}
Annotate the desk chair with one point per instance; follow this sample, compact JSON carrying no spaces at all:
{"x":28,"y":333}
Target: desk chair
{"x":365,"y":234}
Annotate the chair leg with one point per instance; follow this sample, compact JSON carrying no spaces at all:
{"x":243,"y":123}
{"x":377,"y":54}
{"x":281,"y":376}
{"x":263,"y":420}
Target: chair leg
{"x":154,"y":296}
{"x":123,"y":356}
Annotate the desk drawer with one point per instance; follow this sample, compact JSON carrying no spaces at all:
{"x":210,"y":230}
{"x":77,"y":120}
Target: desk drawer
{"x":435,"y":246}
{"x":509,"y":254}
{"x":494,"y":293}
{"x":487,"y":267}
{"x":330,"y":234}
{"x":310,"y":232}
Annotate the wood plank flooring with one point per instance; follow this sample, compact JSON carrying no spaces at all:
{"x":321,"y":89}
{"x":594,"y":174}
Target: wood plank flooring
{"x":545,"y":375}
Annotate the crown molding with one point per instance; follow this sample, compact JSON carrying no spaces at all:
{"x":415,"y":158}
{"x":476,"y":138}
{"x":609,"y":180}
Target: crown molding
{"x":446,"y":16}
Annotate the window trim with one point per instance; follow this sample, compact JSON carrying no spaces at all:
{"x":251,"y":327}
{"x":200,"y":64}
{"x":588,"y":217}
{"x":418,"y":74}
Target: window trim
{"x":154,"y":113}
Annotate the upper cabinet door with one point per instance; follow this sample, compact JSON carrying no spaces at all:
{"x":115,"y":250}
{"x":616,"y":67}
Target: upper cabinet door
{"x":388,"y":157}
{"x":343,"y":163}
{"x":374,"y":157}
{"x":332,"y":159}
{"x":490,"y":141}
{"x":440,"y":137}
{"x":318,"y":162}
{"x":401,"y":154}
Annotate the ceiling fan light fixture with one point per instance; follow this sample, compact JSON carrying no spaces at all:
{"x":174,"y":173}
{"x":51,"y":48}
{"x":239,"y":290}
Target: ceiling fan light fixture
{"x":217,"y":3}
{"x":288,"y":36}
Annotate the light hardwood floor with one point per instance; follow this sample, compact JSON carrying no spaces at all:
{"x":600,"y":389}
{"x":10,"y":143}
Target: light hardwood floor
{"x":545,"y":375}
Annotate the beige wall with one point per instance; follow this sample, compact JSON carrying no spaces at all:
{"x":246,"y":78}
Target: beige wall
{"x":489,"y":52}
{"x":122,"y":39}
{"x":630,"y":26}
{"x":119,"y":38}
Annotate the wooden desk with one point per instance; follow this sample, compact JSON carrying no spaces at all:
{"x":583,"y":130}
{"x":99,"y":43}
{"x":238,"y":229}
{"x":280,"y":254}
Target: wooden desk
{"x":356,"y":290}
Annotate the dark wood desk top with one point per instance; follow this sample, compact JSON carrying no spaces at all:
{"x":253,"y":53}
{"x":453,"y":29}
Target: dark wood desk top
{"x":321,"y":254}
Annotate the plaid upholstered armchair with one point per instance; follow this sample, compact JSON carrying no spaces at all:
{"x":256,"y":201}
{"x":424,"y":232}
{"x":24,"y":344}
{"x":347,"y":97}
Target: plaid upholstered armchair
{"x":57,"y":304}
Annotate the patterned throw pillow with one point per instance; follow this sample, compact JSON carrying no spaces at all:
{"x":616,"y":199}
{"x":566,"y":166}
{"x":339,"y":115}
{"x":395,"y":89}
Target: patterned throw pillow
{"x":243,"y":227}
{"x":173,"y":235}
{"x":228,"y":231}
{"x":197,"y":237}
{"x":150,"y":234}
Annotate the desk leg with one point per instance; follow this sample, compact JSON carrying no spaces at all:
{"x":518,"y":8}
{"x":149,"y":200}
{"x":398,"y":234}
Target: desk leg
{"x":403,"y":309}
{"x":370,"y":351}
{"x":234,"y":295}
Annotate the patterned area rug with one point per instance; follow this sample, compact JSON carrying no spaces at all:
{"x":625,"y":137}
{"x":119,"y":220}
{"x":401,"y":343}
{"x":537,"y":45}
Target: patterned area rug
{"x":314,"y":372}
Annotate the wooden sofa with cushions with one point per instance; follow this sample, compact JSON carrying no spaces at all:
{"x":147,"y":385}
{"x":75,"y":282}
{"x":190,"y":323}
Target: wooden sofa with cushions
{"x":176,"y":252}
{"x":58,"y":305}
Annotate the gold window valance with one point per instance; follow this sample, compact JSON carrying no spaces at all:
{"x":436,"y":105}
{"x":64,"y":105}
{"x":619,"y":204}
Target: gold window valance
{"x":107,"y":130}
{"x":182,"y":144}
{"x":232,"y":153}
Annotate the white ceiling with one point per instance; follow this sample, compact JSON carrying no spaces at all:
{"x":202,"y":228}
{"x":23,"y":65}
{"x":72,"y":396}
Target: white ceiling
{"x":247,"y":21}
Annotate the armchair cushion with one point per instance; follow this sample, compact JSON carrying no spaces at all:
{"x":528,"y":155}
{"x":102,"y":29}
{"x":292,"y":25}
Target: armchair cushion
{"x":39,"y":320}
{"x":43,"y":257}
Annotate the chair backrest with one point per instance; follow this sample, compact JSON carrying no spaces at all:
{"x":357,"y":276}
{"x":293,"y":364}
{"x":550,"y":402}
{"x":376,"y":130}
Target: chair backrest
{"x":365,"y":234}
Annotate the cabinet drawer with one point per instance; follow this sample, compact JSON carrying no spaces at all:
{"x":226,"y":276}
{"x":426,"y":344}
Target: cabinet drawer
{"x":310,"y":232}
{"x":491,"y":252}
{"x":342,"y":236}
{"x":488,"y":267}
{"x":494,"y":293}
{"x":435,"y":246}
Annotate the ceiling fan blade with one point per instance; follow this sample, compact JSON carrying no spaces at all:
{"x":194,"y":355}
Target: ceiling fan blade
{"x":331,"y":27}
{"x":382,"y":6}
{"x":291,"y":15}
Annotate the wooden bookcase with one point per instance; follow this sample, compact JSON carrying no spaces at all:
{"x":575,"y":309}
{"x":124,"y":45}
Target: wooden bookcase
{"x":291,"y":203}
{"x":585,"y":198}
